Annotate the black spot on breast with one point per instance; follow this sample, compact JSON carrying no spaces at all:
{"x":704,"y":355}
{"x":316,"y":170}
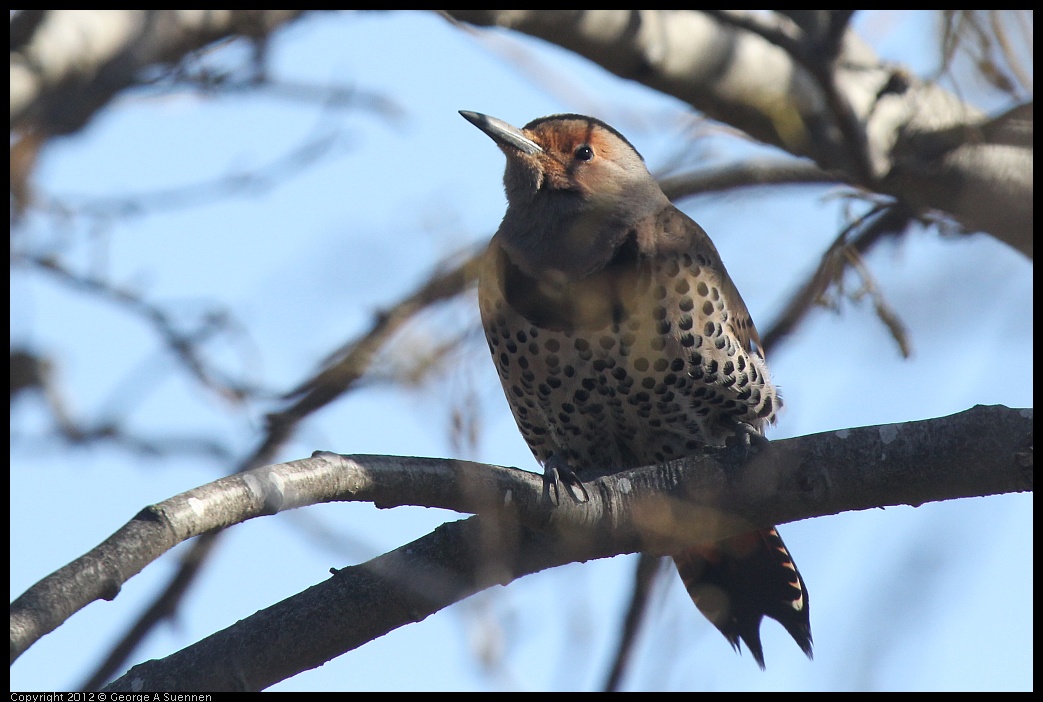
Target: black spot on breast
{"x":767,"y":409}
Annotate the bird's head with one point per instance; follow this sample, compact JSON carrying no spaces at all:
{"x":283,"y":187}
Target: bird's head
{"x":574,"y":186}
{"x":574,"y":154}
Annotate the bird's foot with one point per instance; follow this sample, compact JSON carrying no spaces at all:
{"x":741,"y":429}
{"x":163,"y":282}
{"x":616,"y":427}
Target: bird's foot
{"x":750,"y":440}
{"x":557,"y":471}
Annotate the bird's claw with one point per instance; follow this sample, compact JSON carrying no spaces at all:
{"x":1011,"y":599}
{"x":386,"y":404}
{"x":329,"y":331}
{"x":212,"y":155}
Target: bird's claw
{"x":557,"y":471}
{"x":750,"y":440}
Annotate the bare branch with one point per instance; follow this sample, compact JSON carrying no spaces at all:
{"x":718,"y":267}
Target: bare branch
{"x":745,"y":174}
{"x":993,"y":54}
{"x":644,"y":577}
{"x":352,"y":360}
{"x":161,"y":609}
{"x":349,"y":364}
{"x":883,"y":309}
{"x":253,"y":181}
{"x":32,"y":371}
{"x":75,"y":61}
{"x":23,"y":25}
{"x":820,"y":62}
{"x":983,"y":451}
{"x":862,"y":235}
{"x":185,"y":346}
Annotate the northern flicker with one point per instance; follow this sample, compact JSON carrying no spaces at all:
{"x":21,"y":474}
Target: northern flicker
{"x":621,"y":341}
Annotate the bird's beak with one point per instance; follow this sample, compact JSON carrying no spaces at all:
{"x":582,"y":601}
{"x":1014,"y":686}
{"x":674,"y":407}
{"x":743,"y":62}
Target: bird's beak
{"x":502,"y":133}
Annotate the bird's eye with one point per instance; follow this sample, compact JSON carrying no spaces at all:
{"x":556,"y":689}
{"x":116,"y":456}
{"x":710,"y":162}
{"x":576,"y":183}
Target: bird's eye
{"x":584,"y":153}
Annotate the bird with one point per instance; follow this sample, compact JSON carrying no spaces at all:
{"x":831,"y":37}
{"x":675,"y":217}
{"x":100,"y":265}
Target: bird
{"x":621,"y":341}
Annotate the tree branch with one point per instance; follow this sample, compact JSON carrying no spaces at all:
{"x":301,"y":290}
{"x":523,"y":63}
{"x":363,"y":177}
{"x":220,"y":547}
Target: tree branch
{"x":350,"y":362}
{"x":658,"y":509}
{"x":341,"y":374}
{"x":858,"y":238}
{"x":745,"y":174}
{"x":74,"y":61}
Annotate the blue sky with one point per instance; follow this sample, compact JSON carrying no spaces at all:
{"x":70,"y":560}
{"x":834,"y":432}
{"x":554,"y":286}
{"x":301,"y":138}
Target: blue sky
{"x":938,"y":597}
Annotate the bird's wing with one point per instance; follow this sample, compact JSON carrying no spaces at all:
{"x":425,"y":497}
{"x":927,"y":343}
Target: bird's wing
{"x":677,"y":234}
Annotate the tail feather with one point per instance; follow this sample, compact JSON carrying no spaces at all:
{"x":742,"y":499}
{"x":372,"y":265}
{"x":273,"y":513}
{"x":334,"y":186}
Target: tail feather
{"x":737,"y":582}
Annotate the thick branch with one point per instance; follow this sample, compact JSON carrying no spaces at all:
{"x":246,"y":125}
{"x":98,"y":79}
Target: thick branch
{"x":983,"y":451}
{"x":75,"y":61}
